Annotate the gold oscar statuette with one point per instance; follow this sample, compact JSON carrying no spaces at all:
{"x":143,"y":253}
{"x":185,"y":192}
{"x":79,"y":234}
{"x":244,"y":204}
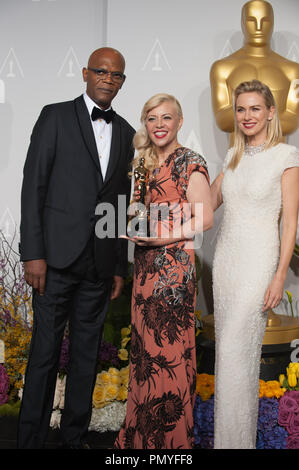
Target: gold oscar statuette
{"x":256,"y":60}
{"x":141,"y":176}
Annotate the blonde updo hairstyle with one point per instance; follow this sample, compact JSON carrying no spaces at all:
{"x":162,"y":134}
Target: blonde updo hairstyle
{"x":142,"y":143}
{"x":274,"y":133}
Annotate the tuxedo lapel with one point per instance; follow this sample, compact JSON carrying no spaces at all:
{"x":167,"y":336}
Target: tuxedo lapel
{"x":87,"y":131}
{"x":115,"y":148}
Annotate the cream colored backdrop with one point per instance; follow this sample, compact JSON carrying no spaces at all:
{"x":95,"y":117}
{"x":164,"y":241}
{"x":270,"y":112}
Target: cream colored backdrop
{"x":169,"y":46}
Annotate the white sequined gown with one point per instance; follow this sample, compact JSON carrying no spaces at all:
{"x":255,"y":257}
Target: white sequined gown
{"x":245,"y":261}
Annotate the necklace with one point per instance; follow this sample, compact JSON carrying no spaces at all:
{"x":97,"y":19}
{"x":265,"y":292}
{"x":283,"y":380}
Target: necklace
{"x":254,"y":149}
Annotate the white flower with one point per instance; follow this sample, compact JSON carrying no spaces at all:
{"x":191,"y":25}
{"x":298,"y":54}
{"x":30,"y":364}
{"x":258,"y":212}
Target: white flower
{"x":59,"y":393}
{"x":55,"y":419}
{"x":20,"y":391}
{"x":108,"y":418}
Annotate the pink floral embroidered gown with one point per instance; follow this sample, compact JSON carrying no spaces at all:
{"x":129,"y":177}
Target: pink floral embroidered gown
{"x":162,"y":381}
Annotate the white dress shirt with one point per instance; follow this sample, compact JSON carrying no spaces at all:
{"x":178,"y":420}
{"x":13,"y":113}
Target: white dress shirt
{"x":102,"y":133}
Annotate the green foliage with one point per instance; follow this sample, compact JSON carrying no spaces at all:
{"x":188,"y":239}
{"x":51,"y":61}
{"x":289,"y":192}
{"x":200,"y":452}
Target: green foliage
{"x":10,"y":409}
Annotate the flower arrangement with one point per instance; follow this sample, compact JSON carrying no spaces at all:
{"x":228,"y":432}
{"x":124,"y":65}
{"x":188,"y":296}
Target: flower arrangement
{"x":270,"y":435}
{"x":278,"y":418}
{"x":278,"y":423}
{"x":110,"y":389}
{"x":290,"y":382}
{"x":288,"y":417}
{"x":111,"y":385}
{"x":16,"y":316}
{"x":270,"y":389}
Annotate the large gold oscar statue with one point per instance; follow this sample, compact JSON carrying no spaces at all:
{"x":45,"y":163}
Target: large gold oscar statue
{"x":256,"y":60}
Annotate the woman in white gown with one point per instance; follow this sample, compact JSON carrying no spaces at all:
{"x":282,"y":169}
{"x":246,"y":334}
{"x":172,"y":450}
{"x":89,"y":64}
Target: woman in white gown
{"x":260,"y":177}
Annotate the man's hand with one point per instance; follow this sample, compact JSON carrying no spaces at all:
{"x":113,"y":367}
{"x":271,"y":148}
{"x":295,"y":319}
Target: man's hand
{"x":117,"y":287}
{"x":35,"y":274}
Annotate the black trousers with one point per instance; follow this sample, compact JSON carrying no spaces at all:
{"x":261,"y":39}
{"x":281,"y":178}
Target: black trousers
{"x":77,"y":295}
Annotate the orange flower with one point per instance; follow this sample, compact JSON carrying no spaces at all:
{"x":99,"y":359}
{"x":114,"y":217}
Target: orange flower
{"x":205,"y":386}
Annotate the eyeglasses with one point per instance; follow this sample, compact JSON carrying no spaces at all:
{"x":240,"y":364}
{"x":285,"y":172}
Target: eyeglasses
{"x":102,"y":74}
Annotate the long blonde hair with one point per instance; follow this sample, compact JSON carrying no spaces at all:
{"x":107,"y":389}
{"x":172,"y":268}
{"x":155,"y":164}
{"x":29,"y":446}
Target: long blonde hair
{"x":141,"y":141}
{"x":274,"y":133}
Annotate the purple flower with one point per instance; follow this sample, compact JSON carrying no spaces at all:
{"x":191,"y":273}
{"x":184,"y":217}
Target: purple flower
{"x":295,"y":395}
{"x":290,"y":401}
{"x":4,"y":385}
{"x":268,"y":413}
{"x":108,"y":353}
{"x":64,"y":354}
{"x":293,"y":425}
{"x":275,"y":438}
{"x":270,"y":435}
{"x":204,"y":423}
{"x":284,"y":417}
{"x":293,"y":441}
{"x":260,"y":440}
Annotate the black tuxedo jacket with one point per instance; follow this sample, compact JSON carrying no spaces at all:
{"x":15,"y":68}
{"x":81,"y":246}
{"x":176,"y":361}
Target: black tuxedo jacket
{"x":63,"y":184}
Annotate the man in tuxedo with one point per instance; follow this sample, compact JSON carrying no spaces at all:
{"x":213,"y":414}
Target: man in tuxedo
{"x":79,"y":156}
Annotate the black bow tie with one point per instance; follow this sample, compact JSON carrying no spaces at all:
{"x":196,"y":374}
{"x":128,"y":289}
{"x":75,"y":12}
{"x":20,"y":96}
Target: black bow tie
{"x":97,"y":113}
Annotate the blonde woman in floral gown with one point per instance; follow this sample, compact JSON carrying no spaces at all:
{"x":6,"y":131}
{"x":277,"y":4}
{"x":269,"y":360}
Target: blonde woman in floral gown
{"x":162,"y":358}
{"x":260,"y":177}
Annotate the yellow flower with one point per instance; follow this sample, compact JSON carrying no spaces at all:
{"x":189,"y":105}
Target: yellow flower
{"x":124,"y":375}
{"x":205,"y":386}
{"x":103,"y":378}
{"x":113,"y":371}
{"x":111,"y":391}
{"x":294,"y":367}
{"x":115,"y":379}
{"x":98,"y":397}
{"x":124,"y":342}
{"x":271,"y":389}
{"x":123,"y":354}
{"x":292,"y":379}
{"x":282,"y":378}
{"x":122,"y":393}
{"x":124,"y":371}
{"x":125,"y":332}
{"x":205,"y":394}
{"x":289,"y":296}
